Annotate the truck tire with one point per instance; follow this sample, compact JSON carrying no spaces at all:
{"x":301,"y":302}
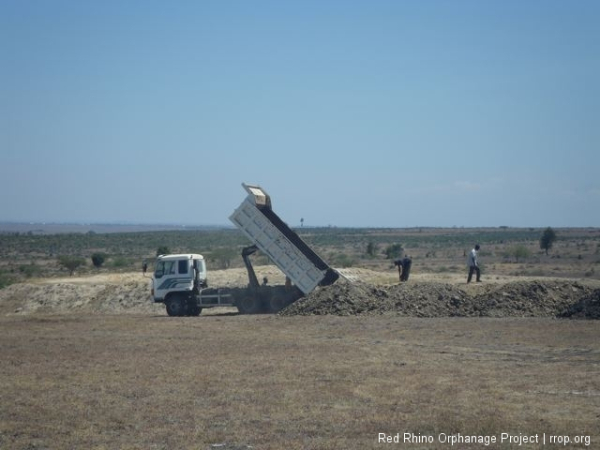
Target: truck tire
{"x":194,"y":310}
{"x":176,"y":306}
{"x":277,"y":303}
{"x":249,"y":305}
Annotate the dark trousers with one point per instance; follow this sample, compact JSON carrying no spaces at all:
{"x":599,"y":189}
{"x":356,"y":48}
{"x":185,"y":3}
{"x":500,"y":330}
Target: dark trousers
{"x":476,"y":270}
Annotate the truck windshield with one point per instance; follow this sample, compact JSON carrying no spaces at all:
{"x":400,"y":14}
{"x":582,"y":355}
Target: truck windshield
{"x":164,"y":268}
{"x":200,"y":265}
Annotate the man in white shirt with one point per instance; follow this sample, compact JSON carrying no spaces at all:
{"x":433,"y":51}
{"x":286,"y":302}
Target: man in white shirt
{"x":473,"y":265}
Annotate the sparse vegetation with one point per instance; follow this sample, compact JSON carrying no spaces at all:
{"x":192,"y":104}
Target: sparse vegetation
{"x":222,"y":258}
{"x":120,"y":262}
{"x":71,"y":263}
{"x":5,"y":279}
{"x":343,"y":260}
{"x":372,"y":249}
{"x":394,"y":251}
{"x":29,"y":270}
{"x":429,"y":248}
{"x":520,"y":252}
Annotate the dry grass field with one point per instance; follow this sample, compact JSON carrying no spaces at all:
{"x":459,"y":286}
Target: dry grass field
{"x":88,"y":362}
{"x":222,"y":380}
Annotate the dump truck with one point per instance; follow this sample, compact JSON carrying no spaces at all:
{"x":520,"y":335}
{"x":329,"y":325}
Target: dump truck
{"x":180,"y":281}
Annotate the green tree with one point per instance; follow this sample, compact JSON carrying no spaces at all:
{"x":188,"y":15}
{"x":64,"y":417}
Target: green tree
{"x":162,"y":250}
{"x":222,"y":257}
{"x":71,"y":263}
{"x":393,"y":251}
{"x":372,"y":249}
{"x":547,"y":239}
{"x":98,"y":259}
{"x":119,"y":262}
{"x":520,"y":252}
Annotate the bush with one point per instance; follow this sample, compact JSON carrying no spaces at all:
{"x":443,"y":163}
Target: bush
{"x":520,"y":252}
{"x":343,"y":260}
{"x":29,"y":270}
{"x":222,"y":257}
{"x":120,"y":262}
{"x":372,"y":249}
{"x":394,"y":251}
{"x":162,"y":250}
{"x":71,"y":263}
{"x":5,"y":280}
{"x":98,"y":259}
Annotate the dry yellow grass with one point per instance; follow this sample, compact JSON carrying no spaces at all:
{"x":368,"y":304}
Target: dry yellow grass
{"x":154,"y":382}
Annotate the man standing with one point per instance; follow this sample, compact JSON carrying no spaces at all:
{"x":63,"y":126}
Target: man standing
{"x":473,"y":265}
{"x":406,"y":263}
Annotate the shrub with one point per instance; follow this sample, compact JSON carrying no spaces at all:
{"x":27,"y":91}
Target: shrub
{"x":222,"y":257}
{"x":119,"y":262}
{"x":29,"y":270}
{"x":98,"y":259}
{"x":5,"y":280}
{"x":162,"y":250}
{"x":343,"y":260}
{"x":71,"y":263}
{"x":372,"y":249}
{"x":520,"y":252}
{"x":394,"y":251}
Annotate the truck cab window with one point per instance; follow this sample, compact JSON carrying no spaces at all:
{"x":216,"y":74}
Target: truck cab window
{"x":183,"y":266}
{"x":159,"y":271}
{"x":169,"y":267}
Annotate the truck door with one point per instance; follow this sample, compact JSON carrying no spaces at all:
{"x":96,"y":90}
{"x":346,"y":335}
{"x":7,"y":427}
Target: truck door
{"x":172,"y":276}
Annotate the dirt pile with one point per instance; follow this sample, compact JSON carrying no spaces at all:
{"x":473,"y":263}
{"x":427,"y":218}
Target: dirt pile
{"x":531,"y":298}
{"x":517,"y":299}
{"x":127,"y":296}
{"x":587,"y":307}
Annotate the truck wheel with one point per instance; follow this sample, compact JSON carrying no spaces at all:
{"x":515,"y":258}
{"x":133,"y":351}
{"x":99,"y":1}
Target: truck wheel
{"x":194,"y":310}
{"x":176,"y":307}
{"x":249,"y":305}
{"x":277,"y":303}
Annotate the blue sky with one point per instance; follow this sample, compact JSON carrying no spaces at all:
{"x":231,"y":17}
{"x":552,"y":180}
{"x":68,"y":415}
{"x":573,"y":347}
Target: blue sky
{"x":349,"y":113}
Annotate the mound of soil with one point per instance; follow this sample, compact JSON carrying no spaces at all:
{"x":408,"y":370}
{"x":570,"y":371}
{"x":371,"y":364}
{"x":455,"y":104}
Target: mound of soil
{"x":587,"y":307}
{"x":531,"y":298}
{"x":131,"y":296}
{"x":346,"y":298}
{"x":518,"y":299}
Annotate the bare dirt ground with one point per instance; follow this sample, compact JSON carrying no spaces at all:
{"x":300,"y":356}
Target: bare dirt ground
{"x":90,"y":362}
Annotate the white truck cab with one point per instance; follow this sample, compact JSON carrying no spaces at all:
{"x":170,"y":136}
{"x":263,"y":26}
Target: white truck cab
{"x":183,"y":273}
